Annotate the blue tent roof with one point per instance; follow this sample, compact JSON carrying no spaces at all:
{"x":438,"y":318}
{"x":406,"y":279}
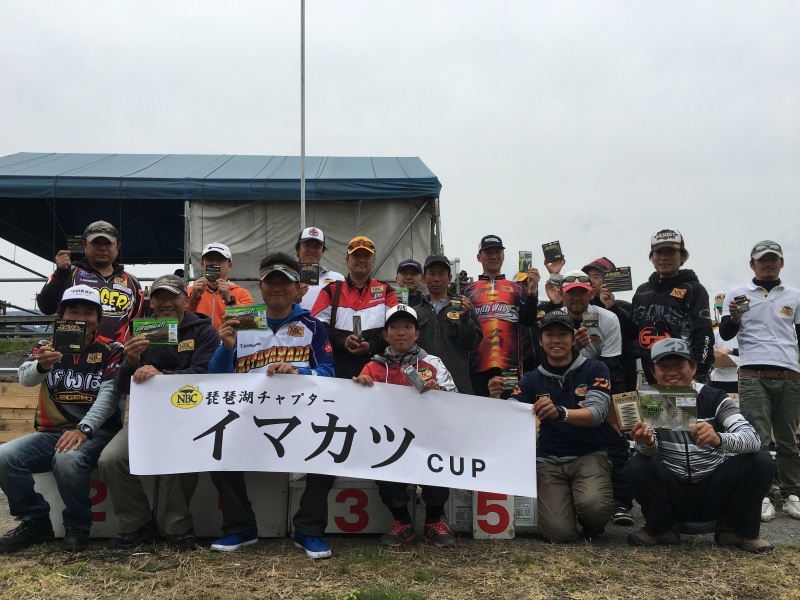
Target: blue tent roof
{"x":49,"y":196}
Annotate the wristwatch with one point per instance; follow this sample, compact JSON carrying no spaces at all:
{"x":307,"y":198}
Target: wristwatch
{"x":563,"y":413}
{"x":85,"y":430}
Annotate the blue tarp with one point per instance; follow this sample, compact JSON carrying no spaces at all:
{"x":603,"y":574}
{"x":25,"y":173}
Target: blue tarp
{"x":46,"y":197}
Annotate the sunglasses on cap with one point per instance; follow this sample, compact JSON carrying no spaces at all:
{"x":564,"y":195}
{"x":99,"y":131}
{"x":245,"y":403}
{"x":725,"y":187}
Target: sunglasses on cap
{"x":762,"y":247}
{"x":575,"y":279}
{"x":360,"y":244}
{"x":101,"y":229}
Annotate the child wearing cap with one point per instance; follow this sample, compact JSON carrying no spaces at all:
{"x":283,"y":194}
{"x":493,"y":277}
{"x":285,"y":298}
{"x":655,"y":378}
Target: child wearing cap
{"x":401,"y":332}
{"x":211,"y":293}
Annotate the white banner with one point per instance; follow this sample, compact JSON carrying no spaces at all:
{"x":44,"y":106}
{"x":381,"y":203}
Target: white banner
{"x":301,"y":423}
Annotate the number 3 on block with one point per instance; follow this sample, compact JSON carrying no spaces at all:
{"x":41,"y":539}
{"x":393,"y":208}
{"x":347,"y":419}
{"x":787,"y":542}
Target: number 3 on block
{"x":492,"y":514}
{"x":357,"y":509}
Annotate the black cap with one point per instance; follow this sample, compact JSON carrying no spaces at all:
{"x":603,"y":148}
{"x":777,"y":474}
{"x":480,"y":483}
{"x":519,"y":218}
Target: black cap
{"x":438,"y":258}
{"x":491,"y":241}
{"x":557,"y":317}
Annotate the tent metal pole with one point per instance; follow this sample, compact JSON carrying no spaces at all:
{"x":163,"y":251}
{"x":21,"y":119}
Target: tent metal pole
{"x":16,"y":264}
{"x":302,"y":114}
{"x":400,"y":237}
{"x":187,"y":251}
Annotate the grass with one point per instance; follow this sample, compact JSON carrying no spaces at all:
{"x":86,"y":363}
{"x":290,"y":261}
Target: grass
{"x":17,"y":345}
{"x":361,"y":570}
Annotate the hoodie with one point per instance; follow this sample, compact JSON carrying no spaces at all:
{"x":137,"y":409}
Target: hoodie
{"x":386,"y":368}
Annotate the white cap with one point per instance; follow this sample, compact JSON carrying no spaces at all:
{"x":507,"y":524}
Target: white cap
{"x":312,"y":233}
{"x":401,"y":309}
{"x":218,"y":248}
{"x":81,"y":293}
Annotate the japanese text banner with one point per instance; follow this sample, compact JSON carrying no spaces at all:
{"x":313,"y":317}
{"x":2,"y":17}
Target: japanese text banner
{"x":307,"y":424}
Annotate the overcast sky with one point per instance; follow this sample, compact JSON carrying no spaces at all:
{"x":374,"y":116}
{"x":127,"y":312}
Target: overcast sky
{"x":594,"y":123}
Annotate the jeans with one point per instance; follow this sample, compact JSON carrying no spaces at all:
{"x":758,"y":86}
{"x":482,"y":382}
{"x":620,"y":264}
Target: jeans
{"x":774,"y":405}
{"x":35,"y":453}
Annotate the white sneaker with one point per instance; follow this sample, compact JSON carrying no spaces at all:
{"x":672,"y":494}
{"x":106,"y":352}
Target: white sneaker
{"x":791,"y":506}
{"x":767,"y":510}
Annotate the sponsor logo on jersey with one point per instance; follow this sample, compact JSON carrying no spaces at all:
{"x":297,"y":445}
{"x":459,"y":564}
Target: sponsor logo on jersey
{"x":296,"y":331}
{"x":114,"y":301}
{"x":122,"y":288}
{"x":186,"y":346}
{"x":262,"y":358}
{"x":649,"y":336}
{"x":787,"y":310}
{"x":73,"y":398}
{"x":581,"y":389}
{"x":425,"y":373}
{"x":94,"y":357}
{"x":507,"y":288}
{"x":453,"y":315}
{"x":187,"y":397}
{"x":327,"y":281}
{"x":677,"y":293}
{"x":376,"y":289}
{"x":328,"y":349}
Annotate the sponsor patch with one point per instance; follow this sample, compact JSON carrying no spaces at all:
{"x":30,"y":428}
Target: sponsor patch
{"x":507,"y":288}
{"x":453,"y":315}
{"x":326,"y":281}
{"x":425,"y":373}
{"x":328,"y":348}
{"x":649,"y":336}
{"x":122,"y":288}
{"x":376,"y":289}
{"x":94,"y":358}
{"x":186,"y":346}
{"x":296,"y":331}
{"x":581,"y":390}
{"x":187,"y":397}
{"x":787,"y":311}
{"x":677,"y":293}
{"x":120,"y":280}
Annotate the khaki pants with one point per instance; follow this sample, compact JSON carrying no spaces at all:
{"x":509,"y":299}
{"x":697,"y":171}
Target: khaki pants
{"x":579,"y":491}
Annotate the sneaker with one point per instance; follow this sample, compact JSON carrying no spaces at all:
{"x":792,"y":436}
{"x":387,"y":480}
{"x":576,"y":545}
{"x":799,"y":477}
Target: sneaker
{"x":754,"y":545}
{"x":642,"y":538}
{"x":75,"y":539}
{"x":399,"y":534}
{"x":791,"y":506}
{"x":767,"y":510}
{"x":38,"y":530}
{"x":438,"y":534}
{"x":315,"y":547}
{"x":623,"y":517}
{"x":146,"y":534}
{"x":183,"y":542}
{"x":234,"y":541}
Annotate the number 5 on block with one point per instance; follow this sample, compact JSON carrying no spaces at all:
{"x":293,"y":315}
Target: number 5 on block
{"x":492,"y":516}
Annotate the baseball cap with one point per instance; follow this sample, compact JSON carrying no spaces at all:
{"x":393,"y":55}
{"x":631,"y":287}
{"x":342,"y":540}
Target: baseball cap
{"x":360,"y":241}
{"x":100,"y":229}
{"x":288,"y":271}
{"x":438,"y":258}
{"x":401,"y":311}
{"x":312,"y":233}
{"x":171,"y":283}
{"x":491,"y":241}
{"x":218,"y":248}
{"x":576,"y":279}
{"x":557,"y":317}
{"x":670,"y":347}
{"x":519,"y":276}
{"x":409,"y":262}
{"x":719,"y":299}
{"x":765,"y":247}
{"x":81,"y":293}
{"x":667,"y":238}
{"x":601,"y":264}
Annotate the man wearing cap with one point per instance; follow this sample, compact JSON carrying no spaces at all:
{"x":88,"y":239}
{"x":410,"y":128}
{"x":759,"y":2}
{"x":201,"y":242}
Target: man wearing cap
{"x":570,"y":397}
{"x":307,"y":352}
{"x":502,"y":306}
{"x":212,"y":293}
{"x":713,"y":471}
{"x":447,"y":330}
{"x":77,"y":413}
{"x":725,"y":374}
{"x":409,"y":276}
{"x":359,"y":295}
{"x":765,"y":316}
{"x":310,"y":247}
{"x":120,"y":293}
{"x":197,"y":341}
{"x":671,"y":304}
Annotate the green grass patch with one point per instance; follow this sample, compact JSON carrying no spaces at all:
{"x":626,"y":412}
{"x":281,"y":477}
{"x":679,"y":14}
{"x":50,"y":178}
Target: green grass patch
{"x":425,"y":575}
{"x":525,"y":558}
{"x":374,"y":593}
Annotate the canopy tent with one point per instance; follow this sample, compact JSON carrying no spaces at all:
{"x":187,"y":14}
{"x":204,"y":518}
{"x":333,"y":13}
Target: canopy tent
{"x":249,"y":202}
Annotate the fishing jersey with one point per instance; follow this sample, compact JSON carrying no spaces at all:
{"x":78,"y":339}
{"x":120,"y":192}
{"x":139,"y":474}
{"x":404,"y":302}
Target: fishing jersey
{"x":386,"y":368}
{"x":71,"y":387}
{"x":120,"y":293}
{"x":300,"y":340}
{"x":498,"y":303}
{"x":679,"y":452}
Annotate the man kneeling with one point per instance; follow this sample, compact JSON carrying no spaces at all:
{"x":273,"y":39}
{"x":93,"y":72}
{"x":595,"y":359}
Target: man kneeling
{"x":683,"y":476}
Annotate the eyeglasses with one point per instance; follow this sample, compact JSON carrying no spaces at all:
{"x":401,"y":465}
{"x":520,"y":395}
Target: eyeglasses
{"x":101,"y":229}
{"x":762,"y":247}
{"x":576,"y":279}
{"x":360,"y":244}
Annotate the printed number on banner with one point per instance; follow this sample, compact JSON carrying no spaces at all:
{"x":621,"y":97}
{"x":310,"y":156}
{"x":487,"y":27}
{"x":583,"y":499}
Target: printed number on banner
{"x":486,"y":508}
{"x":357,"y":509}
{"x":100,"y":494}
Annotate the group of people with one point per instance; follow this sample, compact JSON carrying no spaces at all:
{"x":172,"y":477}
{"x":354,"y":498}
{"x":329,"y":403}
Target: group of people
{"x":566,"y":356}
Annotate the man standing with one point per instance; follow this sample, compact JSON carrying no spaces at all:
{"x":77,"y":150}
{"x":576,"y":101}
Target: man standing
{"x":120,"y":293}
{"x":765,"y":316}
{"x":570,"y":397}
{"x":211,"y":293}
{"x":714,"y":471}
{"x":447,"y":331}
{"x":671,"y":304}
{"x":357,"y":296}
{"x":409,"y":276}
{"x":197,"y":341}
{"x":502,"y":306}
{"x":248,"y":351}
{"x":310,"y":247}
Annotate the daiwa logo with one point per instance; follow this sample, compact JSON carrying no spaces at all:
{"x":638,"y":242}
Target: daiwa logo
{"x":187,"y":397}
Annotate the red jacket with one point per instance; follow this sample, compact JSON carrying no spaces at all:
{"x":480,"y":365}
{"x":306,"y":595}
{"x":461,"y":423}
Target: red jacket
{"x":385,"y":368}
